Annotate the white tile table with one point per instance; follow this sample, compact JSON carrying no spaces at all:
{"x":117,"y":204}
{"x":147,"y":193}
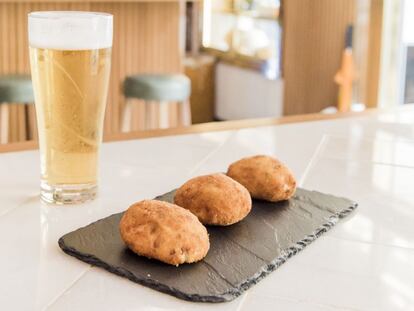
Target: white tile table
{"x":364,"y":263}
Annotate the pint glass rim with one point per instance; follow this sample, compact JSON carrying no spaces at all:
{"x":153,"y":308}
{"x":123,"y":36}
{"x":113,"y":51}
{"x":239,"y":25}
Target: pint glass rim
{"x":70,"y":30}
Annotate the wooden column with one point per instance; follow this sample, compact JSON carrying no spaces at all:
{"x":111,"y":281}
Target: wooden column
{"x":373,"y":57}
{"x":313,"y":41}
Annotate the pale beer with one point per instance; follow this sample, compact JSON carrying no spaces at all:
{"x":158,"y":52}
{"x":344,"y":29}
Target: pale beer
{"x":70,"y":80}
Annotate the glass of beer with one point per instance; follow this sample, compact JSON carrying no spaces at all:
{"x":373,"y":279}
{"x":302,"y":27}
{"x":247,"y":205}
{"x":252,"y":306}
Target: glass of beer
{"x":70,"y":57}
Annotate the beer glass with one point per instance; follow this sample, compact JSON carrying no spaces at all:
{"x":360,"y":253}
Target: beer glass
{"x":70,"y":58}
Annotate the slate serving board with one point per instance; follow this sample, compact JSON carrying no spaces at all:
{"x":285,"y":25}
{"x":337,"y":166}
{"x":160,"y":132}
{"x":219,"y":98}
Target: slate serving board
{"x":240,"y":255}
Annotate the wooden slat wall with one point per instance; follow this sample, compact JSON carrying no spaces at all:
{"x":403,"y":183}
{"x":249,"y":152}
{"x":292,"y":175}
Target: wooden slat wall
{"x":373,"y":56}
{"x":313,"y":33}
{"x":146,"y":39}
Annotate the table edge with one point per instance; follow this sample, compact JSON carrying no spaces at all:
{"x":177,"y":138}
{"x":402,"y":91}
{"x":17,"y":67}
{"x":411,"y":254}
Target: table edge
{"x":93,"y":1}
{"x":206,"y":127}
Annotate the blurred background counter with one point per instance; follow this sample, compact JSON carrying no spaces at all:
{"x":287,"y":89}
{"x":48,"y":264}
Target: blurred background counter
{"x":147,"y":38}
{"x":245,"y":58}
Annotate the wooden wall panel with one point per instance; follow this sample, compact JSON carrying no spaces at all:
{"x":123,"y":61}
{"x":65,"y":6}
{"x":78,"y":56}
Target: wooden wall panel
{"x":146,"y":39}
{"x":200,"y":69}
{"x":314,"y":32}
{"x":373,"y":56}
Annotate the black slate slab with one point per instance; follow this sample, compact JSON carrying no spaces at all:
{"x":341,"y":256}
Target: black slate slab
{"x":240,"y":255}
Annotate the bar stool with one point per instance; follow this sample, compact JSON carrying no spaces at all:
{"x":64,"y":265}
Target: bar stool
{"x":16,"y":89}
{"x":161,"y":89}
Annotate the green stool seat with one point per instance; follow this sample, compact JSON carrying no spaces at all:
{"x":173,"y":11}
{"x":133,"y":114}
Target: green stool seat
{"x":16,"y":89}
{"x":155,"y":91}
{"x":158,"y":87}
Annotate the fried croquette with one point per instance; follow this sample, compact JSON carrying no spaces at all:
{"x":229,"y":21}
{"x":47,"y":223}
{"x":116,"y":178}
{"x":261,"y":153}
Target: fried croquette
{"x":215,"y":199}
{"x":265,"y":177}
{"x":164,"y":231}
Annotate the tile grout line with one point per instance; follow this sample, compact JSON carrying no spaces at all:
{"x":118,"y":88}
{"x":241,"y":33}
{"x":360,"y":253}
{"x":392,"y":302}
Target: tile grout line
{"x":210,"y":154}
{"x":54,"y":300}
{"x":310,"y":302}
{"x":313,"y":160}
{"x":371,"y":138}
{"x":366,"y":161}
{"x":243,"y":299}
{"x":18,"y":206}
{"x":372,"y":243}
{"x":9,"y":210}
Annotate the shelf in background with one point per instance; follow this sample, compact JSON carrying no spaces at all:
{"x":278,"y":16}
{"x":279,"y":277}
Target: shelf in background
{"x":240,"y":60}
{"x":252,"y":14}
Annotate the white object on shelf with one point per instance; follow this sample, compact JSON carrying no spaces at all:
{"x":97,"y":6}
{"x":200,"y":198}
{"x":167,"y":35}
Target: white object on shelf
{"x":356,"y":107}
{"x":245,"y":93}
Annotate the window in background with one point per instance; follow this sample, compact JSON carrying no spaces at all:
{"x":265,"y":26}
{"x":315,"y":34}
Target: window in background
{"x":244,"y":32}
{"x":407,"y":85}
{"x":409,"y":76}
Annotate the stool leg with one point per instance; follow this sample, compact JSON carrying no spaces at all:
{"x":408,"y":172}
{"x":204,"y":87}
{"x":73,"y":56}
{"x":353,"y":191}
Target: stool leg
{"x":27,"y":122}
{"x":141,"y":115}
{"x":164,"y":115}
{"x":184,"y":114}
{"x":127,"y":116}
{"x":4,"y":121}
{"x":187,"y":106}
{"x":148,"y":120}
{"x":32,"y":122}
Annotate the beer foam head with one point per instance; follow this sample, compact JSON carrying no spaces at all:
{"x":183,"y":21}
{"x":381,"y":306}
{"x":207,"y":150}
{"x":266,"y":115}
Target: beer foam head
{"x":70,"y":30}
